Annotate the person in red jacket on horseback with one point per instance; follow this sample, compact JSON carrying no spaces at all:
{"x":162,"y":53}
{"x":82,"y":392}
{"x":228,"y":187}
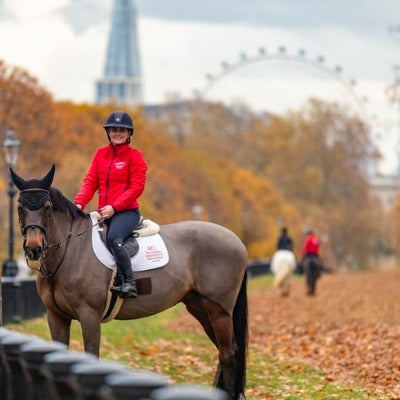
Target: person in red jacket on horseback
{"x":118,"y":173}
{"x":311,"y":244}
{"x":311,"y":261}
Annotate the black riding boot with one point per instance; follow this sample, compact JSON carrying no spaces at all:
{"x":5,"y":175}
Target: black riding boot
{"x":128,"y":287}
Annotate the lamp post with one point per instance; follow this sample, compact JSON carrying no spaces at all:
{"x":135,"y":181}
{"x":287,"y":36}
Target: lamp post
{"x":11,"y":147}
{"x":197,"y":211}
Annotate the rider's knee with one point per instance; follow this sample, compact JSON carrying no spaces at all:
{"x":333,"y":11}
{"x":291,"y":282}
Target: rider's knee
{"x":116,"y":244}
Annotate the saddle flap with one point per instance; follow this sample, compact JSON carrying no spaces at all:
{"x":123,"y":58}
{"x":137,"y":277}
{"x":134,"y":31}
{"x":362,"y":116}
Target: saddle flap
{"x":152,"y":253}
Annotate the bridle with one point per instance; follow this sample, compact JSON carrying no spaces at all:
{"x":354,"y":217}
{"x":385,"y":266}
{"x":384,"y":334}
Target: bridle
{"x":48,"y":250}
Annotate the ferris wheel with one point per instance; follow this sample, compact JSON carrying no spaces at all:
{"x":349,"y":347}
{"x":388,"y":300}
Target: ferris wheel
{"x":299,"y":59}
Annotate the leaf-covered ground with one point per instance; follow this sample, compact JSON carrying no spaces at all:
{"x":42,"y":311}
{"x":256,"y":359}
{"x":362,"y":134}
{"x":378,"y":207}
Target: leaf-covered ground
{"x":350,"y":329}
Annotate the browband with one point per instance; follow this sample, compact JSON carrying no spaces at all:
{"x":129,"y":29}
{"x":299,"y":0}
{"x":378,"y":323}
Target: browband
{"x":35,"y":190}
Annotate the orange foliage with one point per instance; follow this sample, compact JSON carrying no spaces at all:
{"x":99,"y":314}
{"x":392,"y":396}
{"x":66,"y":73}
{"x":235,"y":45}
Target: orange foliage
{"x":249,"y":173}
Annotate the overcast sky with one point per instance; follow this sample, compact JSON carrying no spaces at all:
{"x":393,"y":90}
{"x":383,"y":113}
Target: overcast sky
{"x":63,"y":43}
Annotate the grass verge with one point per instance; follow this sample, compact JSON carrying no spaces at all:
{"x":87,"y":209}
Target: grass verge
{"x":150,"y":344}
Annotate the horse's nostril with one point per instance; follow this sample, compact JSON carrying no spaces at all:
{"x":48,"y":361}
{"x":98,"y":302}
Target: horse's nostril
{"x":33,"y":253}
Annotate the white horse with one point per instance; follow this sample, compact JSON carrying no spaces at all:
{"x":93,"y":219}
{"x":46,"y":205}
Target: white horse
{"x":283,"y":264}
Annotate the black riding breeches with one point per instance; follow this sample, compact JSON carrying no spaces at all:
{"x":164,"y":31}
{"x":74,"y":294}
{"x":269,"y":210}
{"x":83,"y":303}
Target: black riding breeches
{"x":121,"y":225}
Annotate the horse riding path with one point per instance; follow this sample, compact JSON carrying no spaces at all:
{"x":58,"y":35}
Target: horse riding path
{"x":350,"y":329}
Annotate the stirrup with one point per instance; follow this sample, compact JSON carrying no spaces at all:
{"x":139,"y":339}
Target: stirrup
{"x":130,"y":291}
{"x":116,"y":289}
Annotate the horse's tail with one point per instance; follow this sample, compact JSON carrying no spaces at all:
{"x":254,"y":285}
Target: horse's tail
{"x":240,"y":326}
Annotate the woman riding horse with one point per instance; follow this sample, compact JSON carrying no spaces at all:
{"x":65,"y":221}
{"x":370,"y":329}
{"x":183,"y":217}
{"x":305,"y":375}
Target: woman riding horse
{"x":311,"y":260}
{"x":206,"y":271}
{"x":118,"y":173}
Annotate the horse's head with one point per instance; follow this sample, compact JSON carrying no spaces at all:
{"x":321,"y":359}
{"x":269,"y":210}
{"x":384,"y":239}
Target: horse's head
{"x":34,"y":209}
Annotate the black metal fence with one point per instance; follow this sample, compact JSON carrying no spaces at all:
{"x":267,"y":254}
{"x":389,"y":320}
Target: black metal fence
{"x":258,"y":267}
{"x":20,"y":299}
{"x":33,"y":369}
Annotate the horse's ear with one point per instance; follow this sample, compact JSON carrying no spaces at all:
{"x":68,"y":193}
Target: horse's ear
{"x":17,"y":180}
{"x":48,"y":179}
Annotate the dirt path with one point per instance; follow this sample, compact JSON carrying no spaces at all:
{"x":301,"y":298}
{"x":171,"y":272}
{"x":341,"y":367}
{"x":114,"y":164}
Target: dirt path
{"x":350,"y":329}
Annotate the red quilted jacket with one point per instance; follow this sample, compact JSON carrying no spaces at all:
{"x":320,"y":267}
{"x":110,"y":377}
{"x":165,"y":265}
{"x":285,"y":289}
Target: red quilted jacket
{"x":311,"y":244}
{"x":118,"y":173}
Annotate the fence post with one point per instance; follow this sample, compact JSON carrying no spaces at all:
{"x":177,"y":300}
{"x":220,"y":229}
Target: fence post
{"x":132,"y":385}
{"x":16,"y":301}
{"x":188,"y":392}
{"x":57,"y":369}
{"x":18,"y":384}
{"x":3,"y":366}
{"x":91,"y":377}
{"x":32,"y":357}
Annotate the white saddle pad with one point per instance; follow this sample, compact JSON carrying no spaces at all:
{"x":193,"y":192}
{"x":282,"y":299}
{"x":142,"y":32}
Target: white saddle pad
{"x":152,"y":251}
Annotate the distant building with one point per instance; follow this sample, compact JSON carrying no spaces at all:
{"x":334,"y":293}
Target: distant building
{"x":122,"y":83}
{"x":385,"y":189}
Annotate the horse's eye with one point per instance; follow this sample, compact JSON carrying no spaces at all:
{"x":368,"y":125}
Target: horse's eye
{"x":21,"y":212}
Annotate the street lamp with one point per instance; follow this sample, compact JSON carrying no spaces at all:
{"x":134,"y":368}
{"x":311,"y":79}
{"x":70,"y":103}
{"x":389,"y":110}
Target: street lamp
{"x":11,"y":147}
{"x":197,"y":212}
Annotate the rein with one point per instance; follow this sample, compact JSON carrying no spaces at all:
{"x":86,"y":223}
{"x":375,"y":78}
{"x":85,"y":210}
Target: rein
{"x":43,"y":271}
{"x":50,"y":275}
{"x":35,"y":202}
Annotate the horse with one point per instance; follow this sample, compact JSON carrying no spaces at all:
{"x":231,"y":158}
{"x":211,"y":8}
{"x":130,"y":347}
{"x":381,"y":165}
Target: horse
{"x":206,"y":271}
{"x":283,"y":263}
{"x":313,"y":267}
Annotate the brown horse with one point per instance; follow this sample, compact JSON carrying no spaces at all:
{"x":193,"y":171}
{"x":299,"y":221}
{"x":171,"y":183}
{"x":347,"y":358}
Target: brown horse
{"x":206,"y":271}
{"x":313,"y":266}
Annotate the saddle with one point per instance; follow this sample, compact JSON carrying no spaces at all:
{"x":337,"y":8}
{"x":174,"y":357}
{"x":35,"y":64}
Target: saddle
{"x":145,"y":227}
{"x":131,"y":245}
{"x":152,"y":249}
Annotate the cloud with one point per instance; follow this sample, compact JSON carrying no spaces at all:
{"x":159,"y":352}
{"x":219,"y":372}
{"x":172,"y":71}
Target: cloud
{"x":5,"y":12}
{"x":357,"y":14}
{"x":80,"y":15}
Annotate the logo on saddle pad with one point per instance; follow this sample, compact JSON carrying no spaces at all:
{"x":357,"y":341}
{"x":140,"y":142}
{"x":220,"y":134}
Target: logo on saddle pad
{"x":152,"y":251}
{"x":154,"y":254}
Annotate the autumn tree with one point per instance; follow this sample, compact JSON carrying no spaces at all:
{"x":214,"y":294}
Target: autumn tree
{"x":249,"y":172}
{"x":316,"y":157}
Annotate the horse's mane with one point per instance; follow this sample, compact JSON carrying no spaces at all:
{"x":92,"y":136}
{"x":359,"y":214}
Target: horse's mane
{"x":61,"y":203}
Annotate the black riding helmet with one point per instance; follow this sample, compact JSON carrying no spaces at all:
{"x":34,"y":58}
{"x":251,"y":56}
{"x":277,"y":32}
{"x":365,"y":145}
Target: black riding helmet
{"x":119,"y":119}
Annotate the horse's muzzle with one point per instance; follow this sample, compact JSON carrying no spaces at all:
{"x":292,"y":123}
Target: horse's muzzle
{"x":33,"y":244}
{"x":33,"y":253}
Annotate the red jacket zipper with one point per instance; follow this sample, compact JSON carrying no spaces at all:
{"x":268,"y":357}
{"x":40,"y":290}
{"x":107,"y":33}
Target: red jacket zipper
{"x":108,"y":173}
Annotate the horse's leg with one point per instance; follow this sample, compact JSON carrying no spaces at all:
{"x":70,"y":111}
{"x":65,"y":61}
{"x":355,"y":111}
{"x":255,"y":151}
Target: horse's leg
{"x":311,"y":277}
{"x":194,"y":305}
{"x":286,"y":285}
{"x":222,"y":325}
{"x":90,"y":324}
{"x":59,"y":327}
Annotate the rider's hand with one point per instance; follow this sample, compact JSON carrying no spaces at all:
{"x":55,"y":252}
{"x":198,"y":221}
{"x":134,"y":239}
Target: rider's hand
{"x":79,"y":206}
{"x":107,"y":211}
